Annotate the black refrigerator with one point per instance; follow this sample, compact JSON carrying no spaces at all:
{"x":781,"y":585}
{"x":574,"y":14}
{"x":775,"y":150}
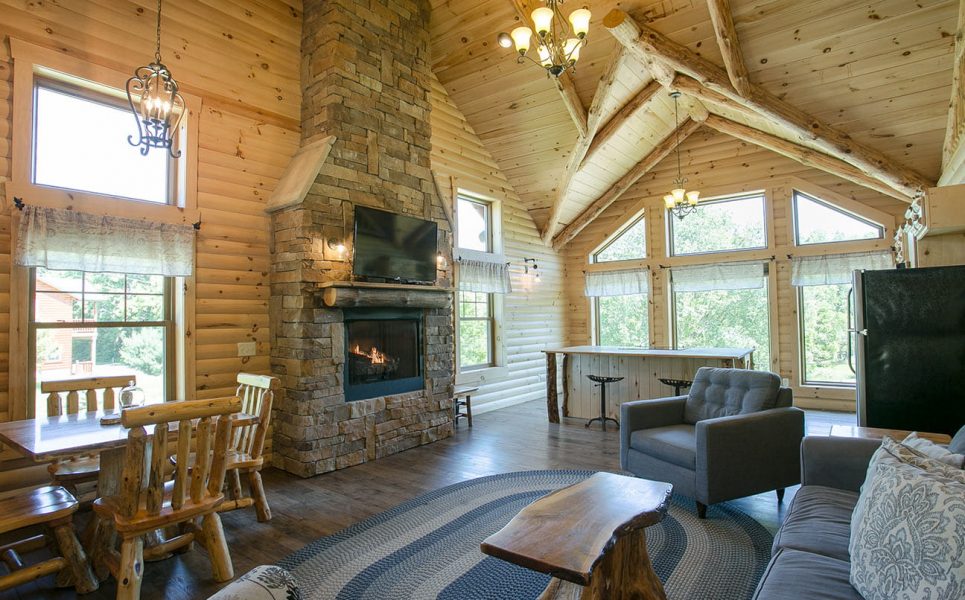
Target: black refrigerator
{"x":910,"y":348}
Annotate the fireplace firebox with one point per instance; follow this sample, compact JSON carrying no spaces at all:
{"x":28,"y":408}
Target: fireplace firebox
{"x":383,"y":352}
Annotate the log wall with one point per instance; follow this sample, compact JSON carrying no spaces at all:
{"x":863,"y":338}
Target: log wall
{"x":242,"y":59}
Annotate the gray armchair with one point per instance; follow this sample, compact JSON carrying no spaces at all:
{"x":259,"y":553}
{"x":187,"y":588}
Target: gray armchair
{"x":735,"y":434}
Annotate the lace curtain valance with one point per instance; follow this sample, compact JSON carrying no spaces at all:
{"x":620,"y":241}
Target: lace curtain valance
{"x":483,"y":272}
{"x":837,"y":268}
{"x":617,"y":283}
{"x":55,"y":238}
{"x":724,"y":276}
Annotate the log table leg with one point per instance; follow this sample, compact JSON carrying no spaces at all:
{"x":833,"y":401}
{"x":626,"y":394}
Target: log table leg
{"x":552,"y":397}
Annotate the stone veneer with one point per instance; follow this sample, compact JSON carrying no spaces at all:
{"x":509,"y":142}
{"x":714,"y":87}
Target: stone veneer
{"x":366,"y":80}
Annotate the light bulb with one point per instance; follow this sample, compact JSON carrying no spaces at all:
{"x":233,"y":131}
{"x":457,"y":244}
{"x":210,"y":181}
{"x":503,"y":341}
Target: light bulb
{"x":580,"y":20}
{"x":668,"y":201}
{"x":504,"y":40}
{"x":572,"y":49}
{"x":521,"y":37}
{"x":678,"y":194}
{"x":543,"y":20}
{"x":692,"y":197}
{"x":544,"y":56}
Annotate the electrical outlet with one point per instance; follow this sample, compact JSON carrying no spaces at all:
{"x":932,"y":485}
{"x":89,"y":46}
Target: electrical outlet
{"x":247,"y":348}
{"x":786,"y":382}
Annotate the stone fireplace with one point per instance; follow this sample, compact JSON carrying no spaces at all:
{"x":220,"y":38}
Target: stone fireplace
{"x":366,"y":367}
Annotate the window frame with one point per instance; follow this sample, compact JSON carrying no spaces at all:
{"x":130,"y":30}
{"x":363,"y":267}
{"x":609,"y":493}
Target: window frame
{"x":795,"y":231}
{"x":765,"y":216}
{"x":490,"y":320}
{"x":641,"y":216}
{"x":802,"y":350}
{"x":169,"y":323}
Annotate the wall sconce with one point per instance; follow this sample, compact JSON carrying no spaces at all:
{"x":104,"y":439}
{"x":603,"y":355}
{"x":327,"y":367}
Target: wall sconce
{"x":441,"y":261}
{"x":535,"y":267}
{"x":336,"y":245}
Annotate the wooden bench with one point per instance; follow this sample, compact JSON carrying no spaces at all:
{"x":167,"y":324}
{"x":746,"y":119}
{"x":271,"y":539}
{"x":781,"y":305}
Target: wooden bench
{"x":462,"y":396}
{"x":590,"y":538}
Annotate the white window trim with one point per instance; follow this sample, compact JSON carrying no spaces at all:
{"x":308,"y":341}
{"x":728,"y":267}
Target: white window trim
{"x":765,"y":214}
{"x":640,"y":215}
{"x":794,"y":237}
{"x":27,"y":58}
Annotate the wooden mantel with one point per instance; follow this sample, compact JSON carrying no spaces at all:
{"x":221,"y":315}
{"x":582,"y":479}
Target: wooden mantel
{"x":349,"y":294}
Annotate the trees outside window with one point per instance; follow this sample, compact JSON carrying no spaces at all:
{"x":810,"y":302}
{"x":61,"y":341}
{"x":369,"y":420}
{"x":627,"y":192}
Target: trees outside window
{"x":825,"y":335}
{"x":724,"y":318}
{"x":476,"y":321}
{"x":720,"y":225}
{"x":629,"y":245}
{"x":623,"y":321}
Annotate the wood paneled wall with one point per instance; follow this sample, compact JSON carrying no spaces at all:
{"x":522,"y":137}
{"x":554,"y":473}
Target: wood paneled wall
{"x":719,"y":165}
{"x":242,"y":59}
{"x":533,"y":313}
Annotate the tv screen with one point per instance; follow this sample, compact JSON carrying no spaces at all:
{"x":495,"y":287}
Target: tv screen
{"x":392,"y":246}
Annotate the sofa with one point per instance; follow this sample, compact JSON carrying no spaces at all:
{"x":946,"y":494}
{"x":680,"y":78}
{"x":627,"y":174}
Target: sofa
{"x":708,"y":443}
{"x":810,"y":555}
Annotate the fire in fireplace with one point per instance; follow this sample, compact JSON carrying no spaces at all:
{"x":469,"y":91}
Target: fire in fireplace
{"x":383,"y":352}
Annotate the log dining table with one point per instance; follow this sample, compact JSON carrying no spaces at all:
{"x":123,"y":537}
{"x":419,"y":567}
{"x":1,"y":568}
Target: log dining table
{"x":47,"y":439}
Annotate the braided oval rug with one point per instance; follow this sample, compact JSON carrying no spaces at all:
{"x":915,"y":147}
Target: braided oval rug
{"x":428,"y":548}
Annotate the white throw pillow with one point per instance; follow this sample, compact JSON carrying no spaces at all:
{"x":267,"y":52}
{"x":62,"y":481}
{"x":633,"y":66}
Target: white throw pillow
{"x":933,"y":450}
{"x":908,"y":538}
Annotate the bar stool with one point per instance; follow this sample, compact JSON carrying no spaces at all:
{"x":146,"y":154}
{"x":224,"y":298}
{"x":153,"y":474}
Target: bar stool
{"x":676,"y":384}
{"x":602,"y":381}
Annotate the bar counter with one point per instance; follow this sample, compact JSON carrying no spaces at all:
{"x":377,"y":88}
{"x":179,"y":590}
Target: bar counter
{"x":641,"y":369}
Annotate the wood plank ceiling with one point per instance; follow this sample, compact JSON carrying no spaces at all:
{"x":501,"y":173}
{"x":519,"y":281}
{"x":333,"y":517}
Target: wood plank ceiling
{"x":879,"y":71}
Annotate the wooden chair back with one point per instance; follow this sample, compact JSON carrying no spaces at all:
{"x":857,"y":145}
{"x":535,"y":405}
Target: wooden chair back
{"x":203,"y":483}
{"x":89,"y":385}
{"x":256,"y":399}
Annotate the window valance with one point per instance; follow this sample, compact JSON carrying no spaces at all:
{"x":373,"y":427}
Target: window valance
{"x":723,"y":276}
{"x":837,"y":268}
{"x":483,"y":272}
{"x":55,"y":238}
{"x":617,"y":283}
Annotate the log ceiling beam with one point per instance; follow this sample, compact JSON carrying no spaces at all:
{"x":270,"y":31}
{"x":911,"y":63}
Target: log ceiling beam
{"x":636,"y":105}
{"x":952,"y":149}
{"x":802,"y":154}
{"x":665,"y":147}
{"x":730,"y":48}
{"x":647,"y":43}
{"x":595,"y":116}
{"x":564,"y":83}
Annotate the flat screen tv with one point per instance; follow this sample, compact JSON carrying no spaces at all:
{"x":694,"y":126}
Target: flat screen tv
{"x":393,"y":246}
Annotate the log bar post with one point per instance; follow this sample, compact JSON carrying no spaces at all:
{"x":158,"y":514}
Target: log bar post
{"x":552,"y":397}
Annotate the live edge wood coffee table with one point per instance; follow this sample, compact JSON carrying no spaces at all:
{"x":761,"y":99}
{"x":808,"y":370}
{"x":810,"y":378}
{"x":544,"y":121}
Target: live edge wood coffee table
{"x":590,"y":538}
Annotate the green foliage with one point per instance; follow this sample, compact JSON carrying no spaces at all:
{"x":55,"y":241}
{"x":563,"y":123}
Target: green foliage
{"x":825,"y":332}
{"x":729,"y":225}
{"x":629,"y":245}
{"x":725,"y":318}
{"x":143,"y":349}
{"x":474,"y":343}
{"x":624,"y":321}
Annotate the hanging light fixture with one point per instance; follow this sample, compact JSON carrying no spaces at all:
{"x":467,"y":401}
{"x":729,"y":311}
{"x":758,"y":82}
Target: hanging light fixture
{"x":157,"y":105}
{"x":679,"y":201}
{"x":558,"y":45}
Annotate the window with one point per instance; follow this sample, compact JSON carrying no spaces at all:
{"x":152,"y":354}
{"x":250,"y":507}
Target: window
{"x":630,"y":244}
{"x":476,"y":323}
{"x":719,"y":226}
{"x":817,"y":222}
{"x":101,"y":324}
{"x":730,"y":312}
{"x":80,"y":143}
{"x":622,"y":320}
{"x":474,"y":224}
{"x":825,"y":339}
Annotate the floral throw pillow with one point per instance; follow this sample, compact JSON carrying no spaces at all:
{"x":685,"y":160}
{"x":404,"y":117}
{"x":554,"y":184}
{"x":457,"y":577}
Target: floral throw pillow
{"x":908,"y":539}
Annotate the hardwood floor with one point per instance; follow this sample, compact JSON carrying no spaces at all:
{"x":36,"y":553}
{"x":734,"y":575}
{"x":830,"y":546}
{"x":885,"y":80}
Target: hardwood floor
{"x":518,"y":438}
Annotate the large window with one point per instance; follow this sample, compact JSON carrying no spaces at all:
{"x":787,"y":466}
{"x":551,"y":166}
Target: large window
{"x":80,"y":143}
{"x":476,"y":323}
{"x":825,"y":337}
{"x":818,"y":222}
{"x":101,"y":324}
{"x":719,"y":226}
{"x":729,"y":309}
{"x":622,"y":320}
{"x":628,"y":245}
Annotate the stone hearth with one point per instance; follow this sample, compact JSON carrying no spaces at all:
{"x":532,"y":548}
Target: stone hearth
{"x":365,"y":78}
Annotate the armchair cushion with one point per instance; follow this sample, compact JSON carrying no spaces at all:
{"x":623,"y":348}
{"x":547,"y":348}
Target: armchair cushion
{"x":727,"y":392}
{"x":675,"y":444}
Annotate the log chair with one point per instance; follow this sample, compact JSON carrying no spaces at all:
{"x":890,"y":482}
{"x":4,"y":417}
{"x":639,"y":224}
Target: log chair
{"x":147,"y":502}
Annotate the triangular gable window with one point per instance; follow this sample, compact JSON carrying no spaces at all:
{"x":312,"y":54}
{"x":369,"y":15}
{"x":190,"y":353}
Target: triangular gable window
{"x":819,"y":222}
{"x":630,"y":244}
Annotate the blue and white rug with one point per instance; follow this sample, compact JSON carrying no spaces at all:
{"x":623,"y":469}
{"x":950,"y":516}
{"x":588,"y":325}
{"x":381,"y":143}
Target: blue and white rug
{"x":428,"y":548}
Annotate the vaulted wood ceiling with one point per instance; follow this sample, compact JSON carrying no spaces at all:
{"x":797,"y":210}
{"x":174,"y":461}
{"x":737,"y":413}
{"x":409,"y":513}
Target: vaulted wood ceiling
{"x":879,"y":71}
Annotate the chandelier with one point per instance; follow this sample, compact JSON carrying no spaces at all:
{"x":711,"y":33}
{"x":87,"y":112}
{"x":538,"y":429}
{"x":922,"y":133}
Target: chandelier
{"x":679,"y":201}
{"x":557,"y":44}
{"x":157,"y":105}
